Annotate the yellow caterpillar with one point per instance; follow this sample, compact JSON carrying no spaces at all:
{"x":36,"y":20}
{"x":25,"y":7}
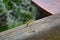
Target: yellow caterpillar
{"x":29,"y":22}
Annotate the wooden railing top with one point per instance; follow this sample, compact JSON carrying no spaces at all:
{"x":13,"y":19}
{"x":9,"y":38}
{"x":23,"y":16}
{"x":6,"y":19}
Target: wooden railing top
{"x":51,"y":6}
{"x":44,"y":29}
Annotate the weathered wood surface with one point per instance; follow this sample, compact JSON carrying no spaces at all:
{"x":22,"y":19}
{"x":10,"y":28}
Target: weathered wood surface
{"x":44,"y":29}
{"x":51,"y":6}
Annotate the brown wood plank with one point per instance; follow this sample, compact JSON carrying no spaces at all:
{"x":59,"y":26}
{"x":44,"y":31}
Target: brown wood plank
{"x":51,"y":6}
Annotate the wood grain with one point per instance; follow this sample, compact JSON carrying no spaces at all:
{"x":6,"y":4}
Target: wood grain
{"x":44,"y":29}
{"x":51,"y":6}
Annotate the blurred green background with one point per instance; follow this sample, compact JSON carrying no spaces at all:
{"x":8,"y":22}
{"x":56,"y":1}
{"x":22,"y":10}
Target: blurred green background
{"x":14,"y":13}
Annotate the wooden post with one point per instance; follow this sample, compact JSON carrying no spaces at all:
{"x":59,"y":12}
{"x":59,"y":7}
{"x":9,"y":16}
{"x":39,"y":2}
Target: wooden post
{"x":47,"y":7}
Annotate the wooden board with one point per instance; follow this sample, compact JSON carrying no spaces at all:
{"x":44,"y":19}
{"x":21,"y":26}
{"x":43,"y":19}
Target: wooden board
{"x":43,"y":29}
{"x":51,"y":6}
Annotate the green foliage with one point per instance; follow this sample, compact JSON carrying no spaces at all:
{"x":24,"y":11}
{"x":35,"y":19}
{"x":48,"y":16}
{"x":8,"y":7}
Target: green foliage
{"x":3,"y":28}
{"x":8,"y":4}
{"x":14,"y":13}
{"x":17,"y":1}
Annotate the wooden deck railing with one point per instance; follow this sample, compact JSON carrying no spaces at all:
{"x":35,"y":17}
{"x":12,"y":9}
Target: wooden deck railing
{"x":45,"y":29}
